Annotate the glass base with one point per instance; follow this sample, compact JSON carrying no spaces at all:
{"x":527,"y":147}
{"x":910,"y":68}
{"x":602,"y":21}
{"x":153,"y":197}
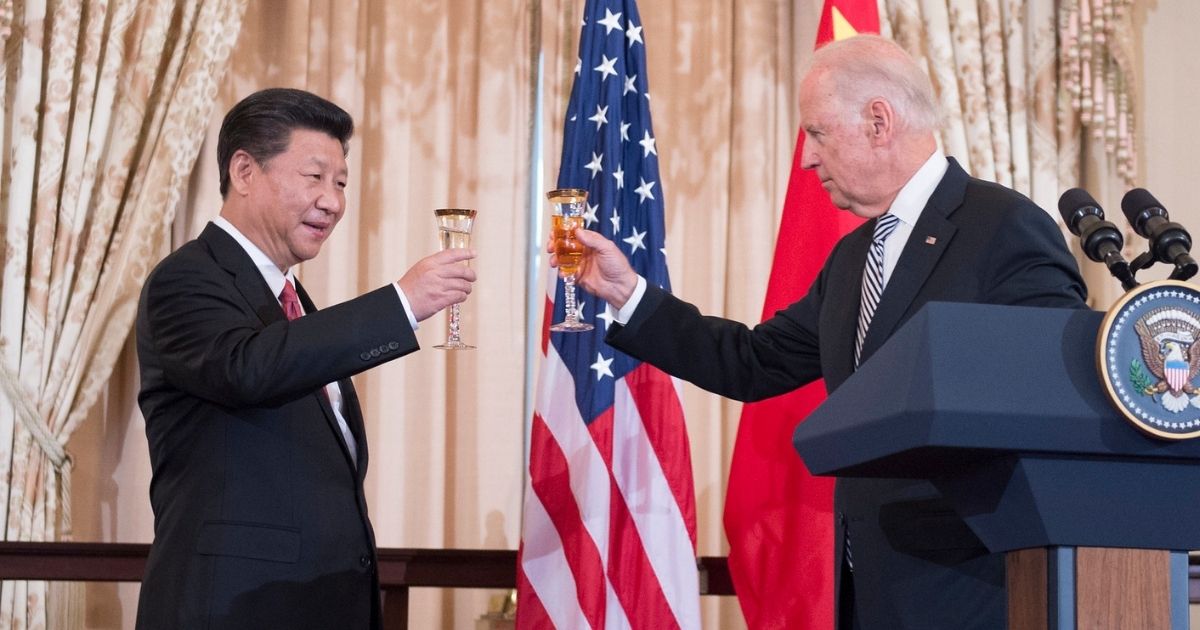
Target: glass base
{"x":569,"y":326}
{"x":454,"y":345}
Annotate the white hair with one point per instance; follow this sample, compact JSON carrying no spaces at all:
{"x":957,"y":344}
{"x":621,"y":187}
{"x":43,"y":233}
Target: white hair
{"x":866,"y":67}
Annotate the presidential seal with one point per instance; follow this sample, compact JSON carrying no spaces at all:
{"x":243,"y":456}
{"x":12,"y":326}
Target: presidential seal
{"x":1149,"y":354}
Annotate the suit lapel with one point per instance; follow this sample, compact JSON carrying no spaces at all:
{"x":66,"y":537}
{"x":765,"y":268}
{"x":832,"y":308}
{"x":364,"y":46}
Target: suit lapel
{"x":839,"y":300}
{"x":246,"y":277}
{"x":249,"y":282}
{"x":928,"y":241}
{"x":350,"y":411}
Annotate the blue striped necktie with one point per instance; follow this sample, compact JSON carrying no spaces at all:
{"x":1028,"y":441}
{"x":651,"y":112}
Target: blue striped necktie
{"x":872,"y":283}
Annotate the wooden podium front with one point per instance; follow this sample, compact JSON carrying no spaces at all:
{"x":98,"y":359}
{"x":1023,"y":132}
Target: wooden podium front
{"x":1114,"y":588}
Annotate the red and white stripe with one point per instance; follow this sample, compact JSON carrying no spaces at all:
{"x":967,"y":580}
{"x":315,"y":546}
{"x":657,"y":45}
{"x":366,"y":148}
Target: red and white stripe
{"x":1177,"y":377}
{"x":609,"y":530}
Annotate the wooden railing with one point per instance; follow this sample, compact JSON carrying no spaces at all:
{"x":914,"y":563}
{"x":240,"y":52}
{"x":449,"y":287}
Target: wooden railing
{"x":399,"y":569}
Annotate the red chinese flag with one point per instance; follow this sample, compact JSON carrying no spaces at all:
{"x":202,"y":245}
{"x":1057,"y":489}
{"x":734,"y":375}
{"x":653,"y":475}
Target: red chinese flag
{"x":778,"y":518}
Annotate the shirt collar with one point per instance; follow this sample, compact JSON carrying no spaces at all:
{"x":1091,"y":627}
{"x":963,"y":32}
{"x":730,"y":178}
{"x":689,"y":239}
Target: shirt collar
{"x":269,"y":270}
{"x":911,"y":199}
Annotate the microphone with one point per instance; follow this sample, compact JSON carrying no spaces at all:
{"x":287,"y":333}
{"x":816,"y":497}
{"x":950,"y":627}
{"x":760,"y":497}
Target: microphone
{"x":1169,"y":241}
{"x":1101,"y":240}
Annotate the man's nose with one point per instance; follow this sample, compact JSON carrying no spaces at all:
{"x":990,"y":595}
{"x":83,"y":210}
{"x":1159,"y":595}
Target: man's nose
{"x":332,"y":199}
{"x":808,"y":156}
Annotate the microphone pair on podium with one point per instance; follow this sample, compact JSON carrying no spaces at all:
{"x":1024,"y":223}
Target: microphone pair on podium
{"x":1102,"y":241}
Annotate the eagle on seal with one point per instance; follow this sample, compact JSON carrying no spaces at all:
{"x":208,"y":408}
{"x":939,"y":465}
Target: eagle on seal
{"x":1168,"y":338}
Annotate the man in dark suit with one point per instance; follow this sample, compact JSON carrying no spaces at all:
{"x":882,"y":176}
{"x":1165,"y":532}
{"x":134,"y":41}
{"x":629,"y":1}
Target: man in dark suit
{"x":256,"y":438}
{"x":903,"y":558}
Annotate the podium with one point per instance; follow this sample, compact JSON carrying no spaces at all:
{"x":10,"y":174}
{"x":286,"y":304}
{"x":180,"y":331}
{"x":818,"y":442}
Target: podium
{"x":1001,"y":408}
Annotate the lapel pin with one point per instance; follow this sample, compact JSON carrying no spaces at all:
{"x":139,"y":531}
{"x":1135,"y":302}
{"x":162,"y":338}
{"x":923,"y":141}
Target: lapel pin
{"x":930,"y":240}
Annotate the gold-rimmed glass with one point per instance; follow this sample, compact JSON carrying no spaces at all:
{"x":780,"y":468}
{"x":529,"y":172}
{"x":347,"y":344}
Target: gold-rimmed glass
{"x":454,"y":232}
{"x":567,"y":207}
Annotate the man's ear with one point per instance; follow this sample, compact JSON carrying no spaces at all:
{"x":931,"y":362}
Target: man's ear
{"x":243,"y":168}
{"x":882,"y":120}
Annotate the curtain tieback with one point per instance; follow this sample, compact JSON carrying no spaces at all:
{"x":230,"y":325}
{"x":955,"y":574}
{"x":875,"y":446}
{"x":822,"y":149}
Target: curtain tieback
{"x":33,"y":421}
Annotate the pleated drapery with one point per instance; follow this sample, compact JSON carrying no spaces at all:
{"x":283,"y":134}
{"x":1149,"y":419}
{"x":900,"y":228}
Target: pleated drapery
{"x":103,"y":111}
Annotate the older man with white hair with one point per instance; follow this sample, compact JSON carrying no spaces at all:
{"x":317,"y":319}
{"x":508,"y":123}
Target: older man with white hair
{"x":903,"y":558}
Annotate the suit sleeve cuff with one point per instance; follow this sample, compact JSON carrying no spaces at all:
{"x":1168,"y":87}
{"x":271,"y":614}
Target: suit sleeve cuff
{"x":626,"y":312}
{"x":412,"y":320}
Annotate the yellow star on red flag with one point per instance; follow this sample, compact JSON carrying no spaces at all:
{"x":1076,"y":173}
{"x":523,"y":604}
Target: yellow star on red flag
{"x":842,"y":28}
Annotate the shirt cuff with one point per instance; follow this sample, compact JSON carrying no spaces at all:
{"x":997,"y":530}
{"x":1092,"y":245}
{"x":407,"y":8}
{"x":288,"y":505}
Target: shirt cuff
{"x":412,"y":319}
{"x":625,"y":312}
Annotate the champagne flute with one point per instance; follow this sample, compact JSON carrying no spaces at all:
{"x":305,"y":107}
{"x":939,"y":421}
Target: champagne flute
{"x":567,"y":208}
{"x":454,"y":231}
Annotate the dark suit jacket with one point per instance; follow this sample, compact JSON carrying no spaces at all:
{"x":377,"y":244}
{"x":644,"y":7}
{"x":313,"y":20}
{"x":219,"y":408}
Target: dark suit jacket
{"x":915,"y":562}
{"x":259,"y":515}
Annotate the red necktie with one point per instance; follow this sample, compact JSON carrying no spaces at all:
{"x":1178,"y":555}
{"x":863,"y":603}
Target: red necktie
{"x":290,"y":301}
{"x":291,"y":307}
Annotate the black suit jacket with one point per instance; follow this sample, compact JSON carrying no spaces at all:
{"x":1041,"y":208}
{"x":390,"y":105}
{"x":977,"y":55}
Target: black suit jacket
{"x":915,"y":562}
{"x":259,"y":515}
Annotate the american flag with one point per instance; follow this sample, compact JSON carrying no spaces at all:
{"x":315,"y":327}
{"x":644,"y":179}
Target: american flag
{"x":609,"y":528}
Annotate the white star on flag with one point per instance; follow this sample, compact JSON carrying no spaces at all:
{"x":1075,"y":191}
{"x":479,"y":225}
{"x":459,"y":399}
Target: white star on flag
{"x":624,"y":132}
{"x":635,"y":241}
{"x":647,"y":144}
{"x":615,"y":219}
{"x":634,"y":34}
{"x":606,"y":67}
{"x":594,"y":165}
{"x":620,"y":175}
{"x":609,"y":315}
{"x":600,"y":117}
{"x":629,"y":84}
{"x":602,"y":367}
{"x":589,"y":215}
{"x":611,"y":21}
{"x":644,"y":191}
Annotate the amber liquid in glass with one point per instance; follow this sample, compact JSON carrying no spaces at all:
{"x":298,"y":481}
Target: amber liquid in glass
{"x":568,"y":250}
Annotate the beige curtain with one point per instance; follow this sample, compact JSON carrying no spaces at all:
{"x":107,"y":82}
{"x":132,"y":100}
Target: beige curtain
{"x":104,"y":102}
{"x":994,"y":66}
{"x":1028,"y":89}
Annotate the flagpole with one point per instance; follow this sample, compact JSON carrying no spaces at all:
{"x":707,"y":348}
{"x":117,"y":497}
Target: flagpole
{"x":533,"y":257}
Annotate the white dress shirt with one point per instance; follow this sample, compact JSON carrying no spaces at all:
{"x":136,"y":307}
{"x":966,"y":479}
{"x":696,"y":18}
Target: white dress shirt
{"x":907,"y":207}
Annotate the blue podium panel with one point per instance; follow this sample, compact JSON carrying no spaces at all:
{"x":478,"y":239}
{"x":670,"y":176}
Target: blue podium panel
{"x":1015,"y":502}
{"x":1002,"y":408}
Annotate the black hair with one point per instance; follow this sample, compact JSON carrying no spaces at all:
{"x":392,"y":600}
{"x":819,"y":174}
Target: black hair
{"x":261,"y":124}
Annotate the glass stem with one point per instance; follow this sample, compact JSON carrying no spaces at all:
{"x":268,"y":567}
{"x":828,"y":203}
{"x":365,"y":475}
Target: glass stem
{"x":569,"y":299}
{"x":453,"y":324}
